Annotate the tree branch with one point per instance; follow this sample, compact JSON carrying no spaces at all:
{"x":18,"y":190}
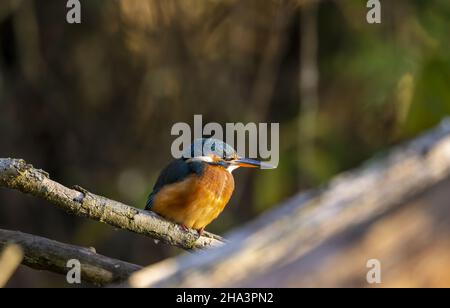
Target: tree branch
{"x":281,"y":238}
{"x":42,"y":253}
{"x":17,"y":174}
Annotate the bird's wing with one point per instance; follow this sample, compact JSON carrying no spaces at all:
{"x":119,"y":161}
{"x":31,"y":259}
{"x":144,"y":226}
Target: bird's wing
{"x":176,"y":171}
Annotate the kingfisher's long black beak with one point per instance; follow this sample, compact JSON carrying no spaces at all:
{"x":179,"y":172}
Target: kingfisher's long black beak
{"x":251,"y":163}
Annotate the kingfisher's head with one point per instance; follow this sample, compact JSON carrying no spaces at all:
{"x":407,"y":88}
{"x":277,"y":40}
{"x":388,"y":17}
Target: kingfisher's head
{"x":215,"y":152}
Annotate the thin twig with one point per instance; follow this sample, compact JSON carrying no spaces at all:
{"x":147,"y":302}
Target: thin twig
{"x":10,"y":259}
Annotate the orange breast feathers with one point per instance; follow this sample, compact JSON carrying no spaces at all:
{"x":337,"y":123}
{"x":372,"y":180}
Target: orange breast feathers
{"x":198,"y":199}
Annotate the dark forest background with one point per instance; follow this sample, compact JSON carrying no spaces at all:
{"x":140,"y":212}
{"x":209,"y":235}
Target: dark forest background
{"x":93,"y":103}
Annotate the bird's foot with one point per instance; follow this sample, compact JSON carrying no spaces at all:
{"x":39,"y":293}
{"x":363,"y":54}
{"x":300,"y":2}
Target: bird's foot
{"x":184,"y":228}
{"x":200,"y":231}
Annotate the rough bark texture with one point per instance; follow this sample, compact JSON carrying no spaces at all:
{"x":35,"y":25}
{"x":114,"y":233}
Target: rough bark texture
{"x":411,"y":241}
{"x":277,"y":243}
{"x":44,"y":254}
{"x":17,"y":174}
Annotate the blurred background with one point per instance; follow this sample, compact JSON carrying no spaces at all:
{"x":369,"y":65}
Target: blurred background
{"x":93,"y":103}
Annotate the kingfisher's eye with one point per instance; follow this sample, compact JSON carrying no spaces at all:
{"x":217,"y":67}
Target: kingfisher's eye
{"x":230,"y":158}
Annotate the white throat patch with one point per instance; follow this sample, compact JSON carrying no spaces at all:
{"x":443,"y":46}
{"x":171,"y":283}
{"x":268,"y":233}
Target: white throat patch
{"x":230,"y":168}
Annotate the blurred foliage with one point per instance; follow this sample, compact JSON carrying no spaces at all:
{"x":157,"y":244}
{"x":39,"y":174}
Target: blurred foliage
{"x":93,"y":103}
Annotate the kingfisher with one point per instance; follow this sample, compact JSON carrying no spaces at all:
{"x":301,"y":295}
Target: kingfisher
{"x":194,"y":189}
